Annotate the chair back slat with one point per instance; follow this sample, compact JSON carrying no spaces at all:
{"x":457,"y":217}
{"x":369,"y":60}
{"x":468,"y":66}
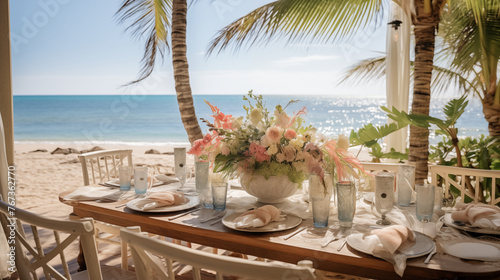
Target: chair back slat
{"x":103,"y":165}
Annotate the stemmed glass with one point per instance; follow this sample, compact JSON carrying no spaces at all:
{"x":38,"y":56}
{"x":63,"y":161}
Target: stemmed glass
{"x":384,"y":195}
{"x":180,"y":165}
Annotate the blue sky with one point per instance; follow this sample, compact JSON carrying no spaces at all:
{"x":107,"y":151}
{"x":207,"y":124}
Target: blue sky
{"x":70,"y":47}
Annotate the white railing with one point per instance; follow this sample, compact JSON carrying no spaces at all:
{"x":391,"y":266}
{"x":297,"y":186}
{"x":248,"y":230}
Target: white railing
{"x":467,"y":181}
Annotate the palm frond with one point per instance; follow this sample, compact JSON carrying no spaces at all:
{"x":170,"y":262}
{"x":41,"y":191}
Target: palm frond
{"x":368,"y":69}
{"x":454,"y":109}
{"x":150,"y":18}
{"x":298,"y":20}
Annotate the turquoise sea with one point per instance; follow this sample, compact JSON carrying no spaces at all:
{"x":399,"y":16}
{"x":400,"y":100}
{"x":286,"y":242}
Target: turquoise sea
{"x":148,"y":119}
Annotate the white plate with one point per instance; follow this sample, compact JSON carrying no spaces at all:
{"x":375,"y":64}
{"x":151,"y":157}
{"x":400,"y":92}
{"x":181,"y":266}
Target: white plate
{"x":423,"y":245}
{"x":447,"y":220}
{"x":116,"y":183}
{"x":290,"y":222}
{"x":473,"y":251}
{"x":193,"y":201}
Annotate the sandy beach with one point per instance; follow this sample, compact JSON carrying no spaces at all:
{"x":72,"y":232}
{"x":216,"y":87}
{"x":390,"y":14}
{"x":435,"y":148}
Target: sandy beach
{"x":41,"y":176}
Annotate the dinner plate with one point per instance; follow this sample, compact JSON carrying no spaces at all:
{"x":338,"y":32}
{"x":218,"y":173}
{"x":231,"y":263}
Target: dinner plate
{"x":116,"y":183}
{"x":423,"y":245}
{"x":192,"y":201}
{"x":447,"y":220}
{"x":473,"y":251}
{"x":290,"y":222}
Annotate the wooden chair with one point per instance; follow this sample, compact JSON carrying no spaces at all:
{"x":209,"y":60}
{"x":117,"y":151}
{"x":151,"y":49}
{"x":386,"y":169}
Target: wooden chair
{"x":103,"y":166}
{"x":146,"y":252}
{"x":41,"y":257}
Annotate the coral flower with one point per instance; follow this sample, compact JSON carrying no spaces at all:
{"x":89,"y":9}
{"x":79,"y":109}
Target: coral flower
{"x":290,"y":134}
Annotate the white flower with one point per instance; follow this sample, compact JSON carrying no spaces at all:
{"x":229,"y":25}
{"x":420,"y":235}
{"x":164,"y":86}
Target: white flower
{"x":289,"y":153}
{"x":264,"y":142}
{"x":274,"y":134}
{"x":297,"y":142}
{"x":280,"y":157}
{"x":343,"y":142}
{"x":255,"y":116}
{"x":237,"y":121}
{"x":273,"y":149}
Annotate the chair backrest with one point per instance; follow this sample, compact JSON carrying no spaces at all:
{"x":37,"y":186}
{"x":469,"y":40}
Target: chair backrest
{"x":393,"y":168}
{"x":469,"y":182}
{"x":102,"y":166}
{"x":147,"y":250}
{"x":39,"y":254}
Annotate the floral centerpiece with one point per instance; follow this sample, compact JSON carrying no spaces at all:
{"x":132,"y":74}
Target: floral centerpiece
{"x":268,"y":145}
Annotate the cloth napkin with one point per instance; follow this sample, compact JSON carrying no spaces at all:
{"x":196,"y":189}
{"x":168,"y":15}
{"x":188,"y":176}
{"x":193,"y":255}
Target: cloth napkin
{"x":259,"y":217}
{"x":158,"y":179}
{"x":478,"y":215}
{"x":159,"y":199}
{"x":383,"y":243}
{"x":91,"y":193}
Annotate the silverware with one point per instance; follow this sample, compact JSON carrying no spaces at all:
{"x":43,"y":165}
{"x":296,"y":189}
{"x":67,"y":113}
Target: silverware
{"x":216,"y":221}
{"x":218,"y":215}
{"x":183,"y":214}
{"x":294,"y":233}
{"x":430,"y":255}
{"x":329,"y":241}
{"x":342,"y":245}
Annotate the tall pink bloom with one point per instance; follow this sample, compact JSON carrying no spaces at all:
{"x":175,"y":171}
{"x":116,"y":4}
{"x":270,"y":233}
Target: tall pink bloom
{"x":221,"y":120}
{"x":274,"y":134}
{"x":290,"y":134}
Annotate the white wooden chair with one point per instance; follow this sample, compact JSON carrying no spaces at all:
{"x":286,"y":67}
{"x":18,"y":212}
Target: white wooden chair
{"x":147,"y":253}
{"x":34,"y":256}
{"x":103,"y":166}
{"x":467,"y":181}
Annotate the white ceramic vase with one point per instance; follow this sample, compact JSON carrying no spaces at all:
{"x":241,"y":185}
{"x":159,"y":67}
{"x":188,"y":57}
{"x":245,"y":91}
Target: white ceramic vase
{"x":271,"y":191}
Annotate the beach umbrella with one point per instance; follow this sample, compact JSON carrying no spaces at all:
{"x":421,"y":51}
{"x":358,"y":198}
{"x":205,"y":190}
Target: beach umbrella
{"x":398,"y":71}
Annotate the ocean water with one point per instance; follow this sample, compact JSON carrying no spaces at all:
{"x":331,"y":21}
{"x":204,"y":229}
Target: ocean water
{"x":154,"y":119}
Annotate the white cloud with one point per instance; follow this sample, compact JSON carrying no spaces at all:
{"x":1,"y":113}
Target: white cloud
{"x":296,"y":60}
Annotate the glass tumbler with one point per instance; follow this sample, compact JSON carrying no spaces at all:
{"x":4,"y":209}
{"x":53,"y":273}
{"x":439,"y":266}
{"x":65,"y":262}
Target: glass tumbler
{"x":406,"y":175}
{"x":346,"y":202}
{"x":202,"y":181}
{"x":141,"y":179}
{"x":180,"y":165}
{"x":125,"y":173}
{"x":320,"y":193}
{"x":425,"y":201}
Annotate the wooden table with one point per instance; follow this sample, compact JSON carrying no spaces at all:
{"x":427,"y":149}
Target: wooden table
{"x":273,"y":245}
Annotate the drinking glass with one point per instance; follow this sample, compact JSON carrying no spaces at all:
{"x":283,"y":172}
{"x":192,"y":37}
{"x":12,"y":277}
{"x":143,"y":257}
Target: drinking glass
{"x":141,"y":179}
{"x":202,"y":182}
{"x":180,"y":165}
{"x":346,"y":202}
{"x":320,"y":193}
{"x":425,"y":202}
{"x":125,"y":173}
{"x":406,"y":174}
{"x":384,"y":195}
{"x":219,"y":191}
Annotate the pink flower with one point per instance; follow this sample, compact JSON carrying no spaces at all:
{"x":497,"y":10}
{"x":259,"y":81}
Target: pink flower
{"x":207,"y":138}
{"x":258,"y":152}
{"x":282,"y":119}
{"x":290,"y":134}
{"x":224,"y":150}
{"x":289,"y":153}
{"x":198,"y":147}
{"x":221,"y":120}
{"x":273,"y":134}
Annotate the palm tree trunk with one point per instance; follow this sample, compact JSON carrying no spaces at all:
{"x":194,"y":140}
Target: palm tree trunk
{"x":491,"y":113}
{"x":425,"y":27}
{"x":181,"y":71}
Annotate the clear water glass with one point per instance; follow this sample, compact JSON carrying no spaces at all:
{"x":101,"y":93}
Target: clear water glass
{"x":346,"y":202}
{"x":320,"y":193}
{"x":425,"y":201}
{"x":180,"y":165}
{"x":406,"y":175}
{"x":219,"y":195}
{"x":384,"y":195}
{"x":202,"y":182}
{"x":141,"y":179}
{"x":125,"y":173}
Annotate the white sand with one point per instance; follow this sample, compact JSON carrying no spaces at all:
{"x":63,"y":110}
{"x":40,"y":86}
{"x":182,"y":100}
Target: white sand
{"x":41,"y":176}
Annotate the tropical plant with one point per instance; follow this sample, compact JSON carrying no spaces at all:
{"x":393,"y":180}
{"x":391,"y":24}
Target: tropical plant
{"x":330,"y":21}
{"x":157,"y":19}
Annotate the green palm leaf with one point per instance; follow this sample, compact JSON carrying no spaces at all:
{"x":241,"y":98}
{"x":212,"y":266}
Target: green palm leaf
{"x":149,"y":18}
{"x":298,"y":20}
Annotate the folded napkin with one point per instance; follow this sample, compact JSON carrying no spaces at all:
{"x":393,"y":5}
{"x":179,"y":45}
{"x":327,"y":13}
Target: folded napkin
{"x":91,"y":193}
{"x":159,"y":199}
{"x":259,"y":217}
{"x":384,"y":243}
{"x":479,"y":215}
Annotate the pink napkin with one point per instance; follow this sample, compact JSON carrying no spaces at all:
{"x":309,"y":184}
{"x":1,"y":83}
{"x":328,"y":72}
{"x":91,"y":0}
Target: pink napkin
{"x":258,"y":217}
{"x":480,"y":215}
{"x":160,"y":199}
{"x":394,"y":236}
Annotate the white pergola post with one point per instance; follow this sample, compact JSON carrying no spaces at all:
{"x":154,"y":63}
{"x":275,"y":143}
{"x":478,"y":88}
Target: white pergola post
{"x":6,"y":100}
{"x":398,"y":73}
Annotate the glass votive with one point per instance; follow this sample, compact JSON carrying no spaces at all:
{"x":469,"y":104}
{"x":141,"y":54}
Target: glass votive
{"x":202,"y":182}
{"x":180,"y":164}
{"x":141,"y":179}
{"x":406,"y":175}
{"x":320,"y":193}
{"x":425,"y":202}
{"x":125,"y":173}
{"x":346,"y":202}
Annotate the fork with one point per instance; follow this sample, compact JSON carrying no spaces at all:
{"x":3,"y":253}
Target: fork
{"x":430,"y":255}
{"x":218,"y":215}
